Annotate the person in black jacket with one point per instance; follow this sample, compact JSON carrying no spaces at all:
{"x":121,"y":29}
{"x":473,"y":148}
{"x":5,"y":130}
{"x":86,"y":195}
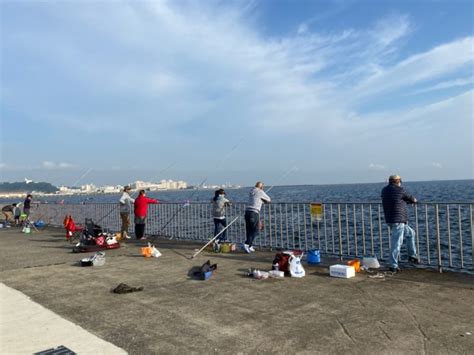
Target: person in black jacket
{"x":394,"y":201}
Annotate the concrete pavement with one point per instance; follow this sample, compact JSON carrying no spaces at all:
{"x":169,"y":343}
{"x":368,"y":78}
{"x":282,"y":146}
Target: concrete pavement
{"x":417,"y":311}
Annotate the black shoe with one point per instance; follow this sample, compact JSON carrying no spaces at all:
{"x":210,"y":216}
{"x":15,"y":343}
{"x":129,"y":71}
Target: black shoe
{"x":395,"y":269}
{"x":413,"y":260}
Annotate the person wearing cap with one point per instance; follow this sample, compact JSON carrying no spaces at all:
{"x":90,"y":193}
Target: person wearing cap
{"x":219,"y":202}
{"x":394,"y":201}
{"x":125,"y":208}
{"x":257,"y":197}
{"x":27,"y":205}
{"x":141,"y":209}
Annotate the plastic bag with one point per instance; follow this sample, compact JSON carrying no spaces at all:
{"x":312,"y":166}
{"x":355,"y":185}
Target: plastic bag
{"x":150,"y":251}
{"x":370,"y":263}
{"x":155,"y":252}
{"x":295,"y":266}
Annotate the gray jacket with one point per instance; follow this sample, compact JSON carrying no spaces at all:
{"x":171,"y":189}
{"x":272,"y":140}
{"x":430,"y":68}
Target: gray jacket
{"x":218,"y":206}
{"x":256,"y":198}
{"x":126,"y":203}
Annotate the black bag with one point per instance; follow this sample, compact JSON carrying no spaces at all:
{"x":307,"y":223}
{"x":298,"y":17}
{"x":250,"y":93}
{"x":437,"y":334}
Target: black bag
{"x":206,"y":270}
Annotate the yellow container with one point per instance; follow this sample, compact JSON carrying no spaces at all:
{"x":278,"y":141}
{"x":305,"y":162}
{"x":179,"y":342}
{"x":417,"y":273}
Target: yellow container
{"x":225,"y":248}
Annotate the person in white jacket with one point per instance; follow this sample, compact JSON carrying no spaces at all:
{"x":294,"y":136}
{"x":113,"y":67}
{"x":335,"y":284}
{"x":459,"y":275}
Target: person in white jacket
{"x":125,"y":208}
{"x":257,"y":198}
{"x":219,"y":203}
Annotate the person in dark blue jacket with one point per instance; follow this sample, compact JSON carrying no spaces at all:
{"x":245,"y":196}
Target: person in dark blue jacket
{"x":394,"y":201}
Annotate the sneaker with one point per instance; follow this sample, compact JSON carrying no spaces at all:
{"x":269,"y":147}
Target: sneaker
{"x":246,"y":248}
{"x":395,"y":269}
{"x":413,"y":260}
{"x":252,"y":249}
{"x":127,"y":236}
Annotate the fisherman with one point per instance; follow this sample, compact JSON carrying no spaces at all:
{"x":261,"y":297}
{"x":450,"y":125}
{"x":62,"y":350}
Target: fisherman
{"x":257,"y":197}
{"x":394,"y":200}
{"x":219,"y":202}
{"x":27,"y":205}
{"x":16,"y":213}
{"x":125,"y":209}
{"x":8,"y":212}
{"x":140,"y":209}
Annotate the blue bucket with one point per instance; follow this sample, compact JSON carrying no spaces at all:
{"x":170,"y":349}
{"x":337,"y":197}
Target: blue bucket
{"x":313,"y":256}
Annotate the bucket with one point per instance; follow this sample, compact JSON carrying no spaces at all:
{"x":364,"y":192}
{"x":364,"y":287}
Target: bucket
{"x":225,"y":248}
{"x":313,"y":256}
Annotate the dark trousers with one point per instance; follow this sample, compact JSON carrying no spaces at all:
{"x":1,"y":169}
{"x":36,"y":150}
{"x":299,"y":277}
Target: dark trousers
{"x":139,"y":230}
{"x":251,"y":226}
{"x":218,"y":222}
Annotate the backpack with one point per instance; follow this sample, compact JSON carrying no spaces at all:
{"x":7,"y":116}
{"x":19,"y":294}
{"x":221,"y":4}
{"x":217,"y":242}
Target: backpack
{"x":281,"y":262}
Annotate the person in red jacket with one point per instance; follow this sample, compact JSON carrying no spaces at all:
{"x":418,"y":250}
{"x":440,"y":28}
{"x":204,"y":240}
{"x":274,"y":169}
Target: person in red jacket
{"x":140,"y":209}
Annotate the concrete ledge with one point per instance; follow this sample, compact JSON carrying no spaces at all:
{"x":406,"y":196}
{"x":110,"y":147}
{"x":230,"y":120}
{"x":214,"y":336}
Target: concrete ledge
{"x":27,"y":327}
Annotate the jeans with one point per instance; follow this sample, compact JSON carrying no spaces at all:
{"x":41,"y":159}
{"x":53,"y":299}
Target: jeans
{"x":217,"y":222}
{"x":399,"y":230}
{"x":252,"y":220}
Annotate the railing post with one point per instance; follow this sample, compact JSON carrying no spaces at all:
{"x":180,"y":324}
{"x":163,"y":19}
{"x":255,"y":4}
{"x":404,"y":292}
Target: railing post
{"x":438,"y":242}
{"x":340,"y":229}
{"x":460,"y":237}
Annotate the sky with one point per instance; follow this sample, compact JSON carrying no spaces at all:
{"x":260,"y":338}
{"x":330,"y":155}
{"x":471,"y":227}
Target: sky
{"x":284,"y":91}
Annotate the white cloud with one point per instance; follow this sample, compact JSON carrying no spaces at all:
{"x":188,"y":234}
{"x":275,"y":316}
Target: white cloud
{"x":445,"y":85}
{"x":435,"y":63}
{"x":377,"y":167}
{"x":391,"y":29}
{"x":437,"y":165}
{"x":52,"y":165}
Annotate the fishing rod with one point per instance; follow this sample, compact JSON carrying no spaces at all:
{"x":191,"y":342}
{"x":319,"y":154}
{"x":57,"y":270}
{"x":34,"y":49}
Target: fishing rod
{"x":282,"y":177}
{"x":197,"y":188}
{"x":225,"y":228}
{"x":134,"y":192}
{"x":215,"y":237}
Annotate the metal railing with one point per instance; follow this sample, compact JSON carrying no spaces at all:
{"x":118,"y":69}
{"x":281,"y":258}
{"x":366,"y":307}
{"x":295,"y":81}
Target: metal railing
{"x":444,"y":231}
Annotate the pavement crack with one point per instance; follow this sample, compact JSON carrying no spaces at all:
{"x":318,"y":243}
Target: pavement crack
{"x":418,"y":325}
{"x":44,"y":265}
{"x":385,"y":333}
{"x":344,"y":329}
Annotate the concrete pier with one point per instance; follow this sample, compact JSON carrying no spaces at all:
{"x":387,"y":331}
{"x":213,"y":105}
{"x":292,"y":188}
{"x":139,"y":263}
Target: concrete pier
{"x":416,"y":311}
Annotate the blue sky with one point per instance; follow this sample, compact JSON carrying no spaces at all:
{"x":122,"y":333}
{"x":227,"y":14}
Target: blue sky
{"x":236,"y":91}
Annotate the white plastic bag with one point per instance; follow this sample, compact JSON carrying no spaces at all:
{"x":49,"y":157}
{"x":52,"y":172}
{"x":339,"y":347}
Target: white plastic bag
{"x":295,"y":266}
{"x":155,"y":252}
{"x":370,"y":263}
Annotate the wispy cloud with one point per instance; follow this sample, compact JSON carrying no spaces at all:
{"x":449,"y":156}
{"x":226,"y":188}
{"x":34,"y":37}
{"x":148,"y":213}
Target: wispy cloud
{"x":377,"y":167}
{"x":445,"y":85}
{"x":53,"y":165}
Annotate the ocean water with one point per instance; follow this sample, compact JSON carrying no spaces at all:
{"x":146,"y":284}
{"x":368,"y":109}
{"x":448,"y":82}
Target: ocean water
{"x":424,"y":191}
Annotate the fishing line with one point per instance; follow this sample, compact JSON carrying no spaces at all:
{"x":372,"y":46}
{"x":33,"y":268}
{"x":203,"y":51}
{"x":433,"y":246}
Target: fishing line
{"x":134,"y":192}
{"x":82,"y":177}
{"x":200,"y":185}
{"x":235,"y":219}
{"x":282,"y":177}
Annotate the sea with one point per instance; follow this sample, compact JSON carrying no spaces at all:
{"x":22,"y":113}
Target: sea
{"x":461,"y":191}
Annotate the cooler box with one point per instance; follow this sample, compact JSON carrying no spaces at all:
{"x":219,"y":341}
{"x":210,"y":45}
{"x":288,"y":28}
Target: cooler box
{"x":342,"y":271}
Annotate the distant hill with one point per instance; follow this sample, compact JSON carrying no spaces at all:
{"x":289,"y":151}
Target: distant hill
{"x":24,"y":187}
